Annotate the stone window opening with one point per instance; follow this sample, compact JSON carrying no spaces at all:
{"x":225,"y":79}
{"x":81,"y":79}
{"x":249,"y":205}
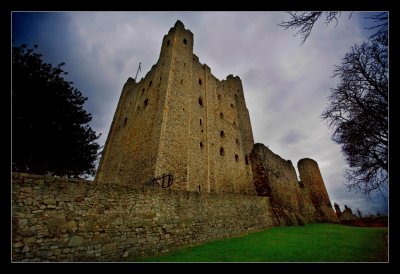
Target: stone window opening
{"x":142,"y":91}
{"x":222,"y":133}
{"x":234,"y":123}
{"x":201,"y":145}
{"x":184,"y":64}
{"x":199,"y":81}
{"x":232,"y":106}
{"x":185,"y":41}
{"x":247,"y":160}
{"x":160,"y":78}
{"x":219,"y":97}
{"x":168,"y":43}
{"x":125,"y":120}
{"x":200,"y":101}
{"x":146,"y":102}
{"x":237,"y":142}
{"x":236,"y":158}
{"x":200,"y":122}
{"x":181,"y":81}
{"x":151,"y":82}
{"x":221,"y":151}
{"x":236,"y":97}
{"x":221,"y":115}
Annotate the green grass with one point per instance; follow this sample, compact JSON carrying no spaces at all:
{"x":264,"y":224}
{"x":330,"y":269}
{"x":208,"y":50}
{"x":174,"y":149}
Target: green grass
{"x":310,"y":243}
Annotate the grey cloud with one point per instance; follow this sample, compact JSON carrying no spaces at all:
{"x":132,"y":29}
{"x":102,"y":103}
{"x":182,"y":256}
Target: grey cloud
{"x":292,"y":137}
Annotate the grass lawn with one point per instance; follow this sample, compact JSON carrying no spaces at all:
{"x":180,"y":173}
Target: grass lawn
{"x":310,"y":243}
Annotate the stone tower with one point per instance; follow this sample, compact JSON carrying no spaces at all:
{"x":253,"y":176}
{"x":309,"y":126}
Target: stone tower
{"x":181,"y":119}
{"x":313,"y":183}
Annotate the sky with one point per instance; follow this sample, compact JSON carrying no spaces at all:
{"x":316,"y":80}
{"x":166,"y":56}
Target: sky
{"x":285,"y":84}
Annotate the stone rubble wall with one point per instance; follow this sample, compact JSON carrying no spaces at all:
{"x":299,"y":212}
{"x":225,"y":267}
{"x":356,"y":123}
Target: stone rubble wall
{"x":55,"y":219}
{"x":294,"y":202}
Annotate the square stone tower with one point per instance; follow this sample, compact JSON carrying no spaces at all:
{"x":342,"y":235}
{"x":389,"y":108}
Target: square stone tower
{"x":182,"y":120}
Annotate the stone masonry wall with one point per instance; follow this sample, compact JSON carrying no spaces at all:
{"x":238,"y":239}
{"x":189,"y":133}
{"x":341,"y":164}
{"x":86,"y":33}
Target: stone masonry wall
{"x":294,"y":202}
{"x":181,"y":119}
{"x":57,"y":219}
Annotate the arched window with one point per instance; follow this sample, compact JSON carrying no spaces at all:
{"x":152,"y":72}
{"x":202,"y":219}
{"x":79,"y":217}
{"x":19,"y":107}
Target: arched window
{"x":221,"y":151}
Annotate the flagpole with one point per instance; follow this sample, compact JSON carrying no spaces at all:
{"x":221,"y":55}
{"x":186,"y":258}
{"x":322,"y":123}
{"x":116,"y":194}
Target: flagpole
{"x":138,"y":71}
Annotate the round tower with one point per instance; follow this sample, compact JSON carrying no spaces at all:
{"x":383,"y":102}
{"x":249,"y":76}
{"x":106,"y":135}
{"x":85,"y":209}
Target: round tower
{"x":311,"y":178}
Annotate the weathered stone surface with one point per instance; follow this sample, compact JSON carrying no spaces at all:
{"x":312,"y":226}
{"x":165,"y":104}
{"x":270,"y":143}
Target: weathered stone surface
{"x":50,"y":201}
{"x":294,"y":202}
{"x":138,"y":222}
{"x":76,"y":241}
{"x":182,"y":120}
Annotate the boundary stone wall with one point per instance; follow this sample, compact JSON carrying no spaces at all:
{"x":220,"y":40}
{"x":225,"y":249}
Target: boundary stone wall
{"x":55,"y":219}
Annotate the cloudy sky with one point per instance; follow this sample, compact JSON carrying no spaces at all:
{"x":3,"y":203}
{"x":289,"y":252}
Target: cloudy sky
{"x":285,"y":85}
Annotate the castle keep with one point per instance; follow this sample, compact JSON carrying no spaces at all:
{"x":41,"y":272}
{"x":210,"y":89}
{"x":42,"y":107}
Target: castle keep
{"x":182,"y":121}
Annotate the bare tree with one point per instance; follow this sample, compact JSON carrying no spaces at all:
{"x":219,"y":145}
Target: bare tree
{"x":304,"y":21}
{"x":358,"y":106}
{"x":358,"y":112}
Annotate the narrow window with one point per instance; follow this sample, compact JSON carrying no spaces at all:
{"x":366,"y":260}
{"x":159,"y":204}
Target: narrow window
{"x":168,"y":43}
{"x":181,"y":81}
{"x":238,"y":91}
{"x":142,"y":90}
{"x":221,"y":151}
{"x":232,"y":106}
{"x":200,"y":122}
{"x":185,"y":41}
{"x":219,"y":97}
{"x":184,"y":64}
{"x":199,"y":81}
{"x":151,"y":82}
{"x":236,"y":158}
{"x":125,"y":120}
{"x":247,"y":160}
{"x":236,"y":97}
{"x":201,"y":145}
{"x":237,"y":141}
{"x":222,"y":134}
{"x":200,"y":101}
{"x":160,"y":78}
{"x":146,"y":102}
{"x":234,"y":123}
{"x":221,"y":115}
